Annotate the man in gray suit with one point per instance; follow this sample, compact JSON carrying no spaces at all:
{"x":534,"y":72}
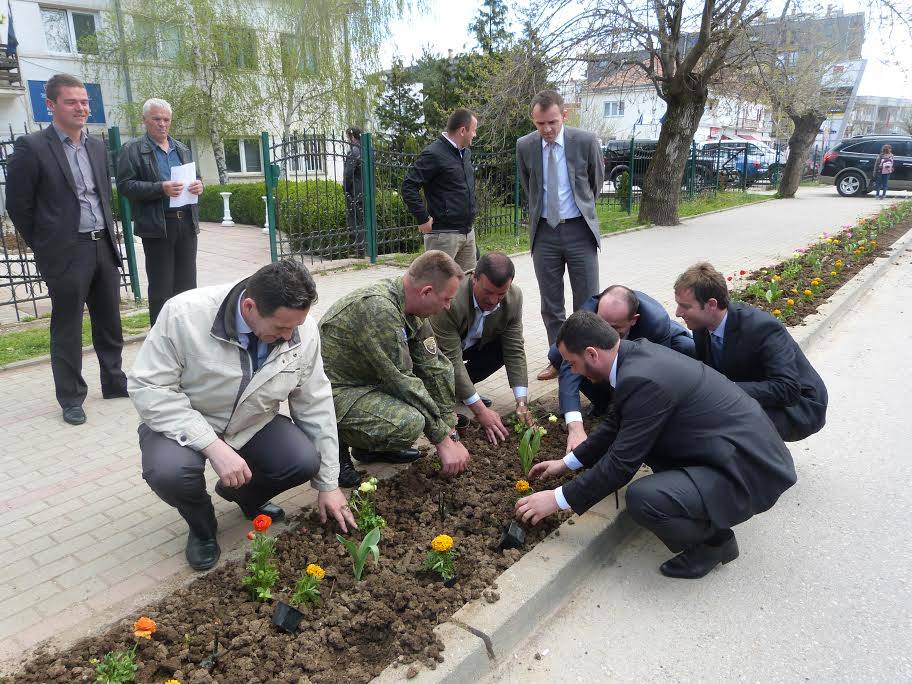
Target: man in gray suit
{"x":561,"y":171}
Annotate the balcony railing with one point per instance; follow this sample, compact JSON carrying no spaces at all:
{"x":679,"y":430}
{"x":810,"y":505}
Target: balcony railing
{"x":9,"y":70}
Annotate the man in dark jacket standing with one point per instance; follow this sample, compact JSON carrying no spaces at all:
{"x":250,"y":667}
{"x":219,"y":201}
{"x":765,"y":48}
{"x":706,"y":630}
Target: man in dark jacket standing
{"x":715,"y":456}
{"x":352,"y":184}
{"x":753,"y":350}
{"x":58,"y":194}
{"x":168,"y":233}
{"x":444,"y":171}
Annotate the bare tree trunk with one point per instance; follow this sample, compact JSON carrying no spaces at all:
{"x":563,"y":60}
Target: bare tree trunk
{"x":662,"y":183}
{"x":218,"y":149}
{"x":807,"y":126}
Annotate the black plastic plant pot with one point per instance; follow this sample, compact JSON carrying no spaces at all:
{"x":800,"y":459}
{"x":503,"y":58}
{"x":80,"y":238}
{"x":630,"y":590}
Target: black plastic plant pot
{"x":513,"y":537}
{"x":286,"y":617}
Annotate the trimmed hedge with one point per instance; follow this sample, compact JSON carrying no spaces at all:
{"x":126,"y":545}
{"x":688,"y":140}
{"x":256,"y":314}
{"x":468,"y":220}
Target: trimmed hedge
{"x":247,"y":204}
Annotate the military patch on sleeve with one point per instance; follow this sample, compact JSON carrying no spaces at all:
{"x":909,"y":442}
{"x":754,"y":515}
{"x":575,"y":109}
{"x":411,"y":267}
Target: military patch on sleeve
{"x":430,"y":345}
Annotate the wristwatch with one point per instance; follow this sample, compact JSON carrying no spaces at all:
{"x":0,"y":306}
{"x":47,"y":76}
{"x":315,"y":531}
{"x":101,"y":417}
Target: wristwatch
{"x":454,"y":436}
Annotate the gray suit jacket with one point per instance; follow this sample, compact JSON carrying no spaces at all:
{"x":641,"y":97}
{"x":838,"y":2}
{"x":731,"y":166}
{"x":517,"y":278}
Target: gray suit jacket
{"x":584,"y":166}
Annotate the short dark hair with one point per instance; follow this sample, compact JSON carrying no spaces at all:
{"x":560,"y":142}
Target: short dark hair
{"x":706,"y":282}
{"x":58,"y":81}
{"x":353,"y":132}
{"x":585,"y":329}
{"x":547,"y":99}
{"x":434,"y":268}
{"x":625,"y":293}
{"x":461,"y":117}
{"x":284,"y":283}
{"x":497,"y":267}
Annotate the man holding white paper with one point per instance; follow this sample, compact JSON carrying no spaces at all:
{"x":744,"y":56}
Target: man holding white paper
{"x":159,"y":177}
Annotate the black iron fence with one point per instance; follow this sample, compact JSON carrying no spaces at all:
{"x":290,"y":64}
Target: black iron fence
{"x":22,"y":290}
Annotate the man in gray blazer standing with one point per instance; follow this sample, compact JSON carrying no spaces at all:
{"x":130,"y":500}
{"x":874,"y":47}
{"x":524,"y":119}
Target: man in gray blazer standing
{"x":561,"y":171}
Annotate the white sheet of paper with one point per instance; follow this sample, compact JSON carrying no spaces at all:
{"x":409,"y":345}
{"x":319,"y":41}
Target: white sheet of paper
{"x":186,"y":174}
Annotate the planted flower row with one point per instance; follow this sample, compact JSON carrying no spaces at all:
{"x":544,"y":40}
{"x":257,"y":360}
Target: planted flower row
{"x":792,"y":288}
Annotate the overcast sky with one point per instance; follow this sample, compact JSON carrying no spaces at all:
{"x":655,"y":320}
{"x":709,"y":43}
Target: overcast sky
{"x":444,"y":25}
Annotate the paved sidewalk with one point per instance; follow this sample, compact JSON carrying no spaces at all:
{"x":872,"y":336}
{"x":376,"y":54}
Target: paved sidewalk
{"x":822,"y":589}
{"x":85,"y":541}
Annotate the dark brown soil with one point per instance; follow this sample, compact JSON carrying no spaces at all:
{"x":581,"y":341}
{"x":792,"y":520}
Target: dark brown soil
{"x":853,"y":264}
{"x":361,"y":627}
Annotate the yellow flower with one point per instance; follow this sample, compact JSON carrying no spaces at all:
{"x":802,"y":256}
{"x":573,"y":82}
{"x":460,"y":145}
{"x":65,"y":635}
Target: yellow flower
{"x":776,"y":312}
{"x":316,"y":571}
{"x":794,"y":290}
{"x":829,"y":241}
{"x":873,"y":243}
{"x":172,"y":681}
{"x":816,"y":281}
{"x":552,"y":418}
{"x":522,"y":486}
{"x":832,"y":273}
{"x":808,"y":293}
{"x":790,"y":302}
{"x":836,"y":241}
{"x":839,"y":263}
{"x":777,"y":278}
{"x":442,"y":542}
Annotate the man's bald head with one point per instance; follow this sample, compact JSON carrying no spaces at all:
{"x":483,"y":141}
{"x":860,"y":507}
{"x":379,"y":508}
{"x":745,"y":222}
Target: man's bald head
{"x":619,"y":306}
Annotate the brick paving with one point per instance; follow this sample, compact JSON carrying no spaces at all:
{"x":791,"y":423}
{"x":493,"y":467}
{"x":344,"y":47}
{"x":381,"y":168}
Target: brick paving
{"x":83,"y":539}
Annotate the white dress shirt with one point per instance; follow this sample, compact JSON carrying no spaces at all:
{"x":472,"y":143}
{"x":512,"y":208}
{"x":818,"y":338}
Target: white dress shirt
{"x":472,"y":338}
{"x":572,"y":461}
{"x":568,"y":208}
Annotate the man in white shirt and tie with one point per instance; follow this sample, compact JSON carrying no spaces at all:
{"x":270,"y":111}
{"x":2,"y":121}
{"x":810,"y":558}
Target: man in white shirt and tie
{"x":561,"y":171}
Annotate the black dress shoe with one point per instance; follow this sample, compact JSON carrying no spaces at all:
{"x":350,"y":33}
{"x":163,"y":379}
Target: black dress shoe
{"x":403,"y":456}
{"x":268,"y":508}
{"x":201,"y":554}
{"x":698,"y":560}
{"x":487,"y":402}
{"x":74,"y":415}
{"x":349,"y":476}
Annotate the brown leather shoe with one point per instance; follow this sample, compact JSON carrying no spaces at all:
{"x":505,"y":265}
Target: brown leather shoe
{"x":549,"y":372}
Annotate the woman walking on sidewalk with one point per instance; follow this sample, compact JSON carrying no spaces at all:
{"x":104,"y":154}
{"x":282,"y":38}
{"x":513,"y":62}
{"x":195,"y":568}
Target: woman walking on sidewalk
{"x":883,"y":167}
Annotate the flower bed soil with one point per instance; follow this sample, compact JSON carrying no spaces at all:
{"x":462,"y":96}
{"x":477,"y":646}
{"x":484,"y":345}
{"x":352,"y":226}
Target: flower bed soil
{"x":361,"y":627}
{"x":854,"y":250}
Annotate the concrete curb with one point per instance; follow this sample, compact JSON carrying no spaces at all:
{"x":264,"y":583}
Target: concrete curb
{"x":845,"y":298}
{"x":534,"y":587}
{"x":530,"y":590}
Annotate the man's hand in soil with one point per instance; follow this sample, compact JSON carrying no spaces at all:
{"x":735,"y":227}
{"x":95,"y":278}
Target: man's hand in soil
{"x":576,"y":435}
{"x":335,"y":504}
{"x":548,"y":470}
{"x":232,"y":470}
{"x":454,"y":458}
{"x":523,"y":414}
{"x":490,"y":420}
{"x":536,"y":507}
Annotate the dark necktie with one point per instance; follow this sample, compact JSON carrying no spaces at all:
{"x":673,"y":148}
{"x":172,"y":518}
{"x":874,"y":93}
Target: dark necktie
{"x":715,"y":345}
{"x":253,"y":348}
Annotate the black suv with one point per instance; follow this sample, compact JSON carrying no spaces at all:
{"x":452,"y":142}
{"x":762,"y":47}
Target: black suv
{"x":850,"y":165}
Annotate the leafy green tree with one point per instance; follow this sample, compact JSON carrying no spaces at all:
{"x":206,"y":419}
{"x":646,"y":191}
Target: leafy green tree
{"x":490,"y":27}
{"x":399,"y":111}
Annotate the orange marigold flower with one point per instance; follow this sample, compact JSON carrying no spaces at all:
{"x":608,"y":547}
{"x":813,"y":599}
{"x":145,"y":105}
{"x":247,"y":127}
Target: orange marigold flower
{"x":442,"y":542}
{"x":316,"y":571}
{"x":144,"y":628}
{"x":790,"y":302}
{"x":777,"y":312}
{"x":522,"y":486}
{"x":262,"y":522}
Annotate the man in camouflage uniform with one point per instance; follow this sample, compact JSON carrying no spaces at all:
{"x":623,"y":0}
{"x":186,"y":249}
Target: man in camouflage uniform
{"x":390,"y":382}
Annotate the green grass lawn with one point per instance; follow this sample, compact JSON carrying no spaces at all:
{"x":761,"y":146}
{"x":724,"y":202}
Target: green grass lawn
{"x":27,"y":344}
{"x":612,"y":219}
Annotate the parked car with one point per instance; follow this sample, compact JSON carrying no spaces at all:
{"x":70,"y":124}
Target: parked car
{"x":616,"y":154}
{"x":728,"y":156}
{"x":850,"y":165}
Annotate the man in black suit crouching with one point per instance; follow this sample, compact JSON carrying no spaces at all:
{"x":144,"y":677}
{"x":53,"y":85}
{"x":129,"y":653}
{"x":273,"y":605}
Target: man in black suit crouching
{"x":716,"y":457}
{"x":753,"y":350}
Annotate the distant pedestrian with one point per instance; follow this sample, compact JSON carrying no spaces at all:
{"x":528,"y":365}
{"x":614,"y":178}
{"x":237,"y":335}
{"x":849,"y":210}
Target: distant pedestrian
{"x":58,"y":195}
{"x":444,"y":171}
{"x":168,"y":233}
{"x":883,"y":167}
{"x":354,"y":191}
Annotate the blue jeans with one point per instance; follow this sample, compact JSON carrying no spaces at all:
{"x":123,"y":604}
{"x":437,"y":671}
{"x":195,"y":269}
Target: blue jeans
{"x":880,"y":183}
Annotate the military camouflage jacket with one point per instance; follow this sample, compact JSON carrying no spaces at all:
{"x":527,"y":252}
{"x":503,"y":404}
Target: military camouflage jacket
{"x":369,"y":343}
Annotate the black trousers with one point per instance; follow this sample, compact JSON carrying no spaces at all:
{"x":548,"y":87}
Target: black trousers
{"x":482,"y":363}
{"x":92,"y":279}
{"x":671,"y":507}
{"x":280,"y":457}
{"x":170,"y":262}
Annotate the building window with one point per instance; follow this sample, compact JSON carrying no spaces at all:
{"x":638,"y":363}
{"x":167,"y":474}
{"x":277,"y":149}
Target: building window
{"x":788,"y":59}
{"x":614,"y":108}
{"x":238,"y":48}
{"x":298,"y":57}
{"x":66,"y":31}
{"x":307,"y":154}
{"x":156,"y":41}
{"x":243,"y":156}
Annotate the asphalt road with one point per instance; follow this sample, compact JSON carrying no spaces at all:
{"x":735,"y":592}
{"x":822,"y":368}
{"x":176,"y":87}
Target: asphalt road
{"x":821,"y":591}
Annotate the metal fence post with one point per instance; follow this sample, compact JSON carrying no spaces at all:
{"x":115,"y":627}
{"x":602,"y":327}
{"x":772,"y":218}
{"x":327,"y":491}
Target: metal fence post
{"x":693,"y":167}
{"x":630,"y":179}
{"x":271,"y":173}
{"x":517,"y":197}
{"x":775,"y":177}
{"x":126,"y":218}
{"x":717,"y":171}
{"x":744,"y":175}
{"x":369,"y":198}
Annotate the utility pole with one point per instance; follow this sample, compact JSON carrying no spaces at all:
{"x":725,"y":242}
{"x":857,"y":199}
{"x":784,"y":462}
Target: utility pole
{"x":124,"y":67}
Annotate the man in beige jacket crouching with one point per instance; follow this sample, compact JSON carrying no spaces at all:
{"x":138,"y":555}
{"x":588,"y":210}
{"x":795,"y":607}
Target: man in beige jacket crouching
{"x":208,"y":382}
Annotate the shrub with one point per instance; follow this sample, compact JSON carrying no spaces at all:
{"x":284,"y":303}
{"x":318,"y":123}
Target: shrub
{"x":246,"y":203}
